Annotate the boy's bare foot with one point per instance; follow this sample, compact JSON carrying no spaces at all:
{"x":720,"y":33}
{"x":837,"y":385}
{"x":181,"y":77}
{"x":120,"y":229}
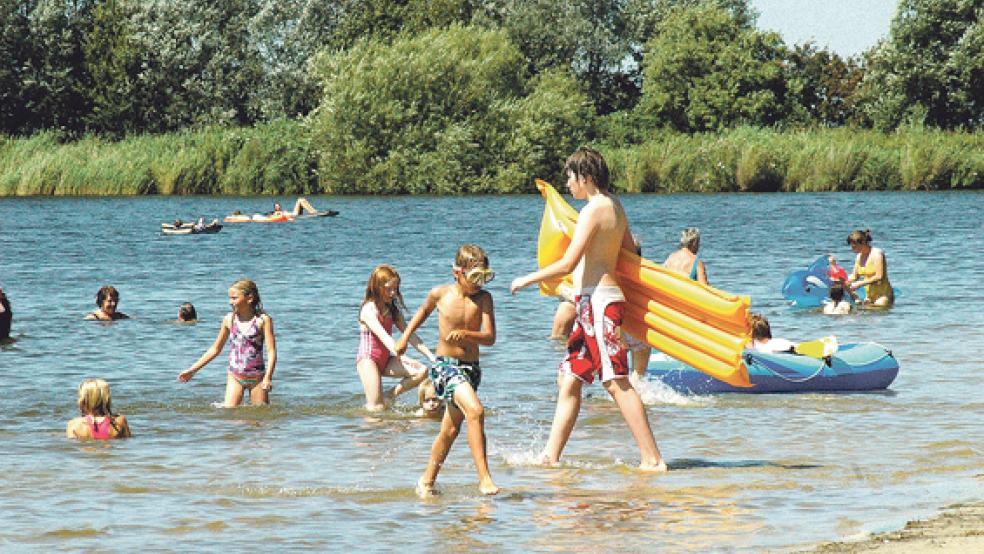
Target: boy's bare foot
{"x":487,"y":487}
{"x":425,"y":490}
{"x":659,"y":467}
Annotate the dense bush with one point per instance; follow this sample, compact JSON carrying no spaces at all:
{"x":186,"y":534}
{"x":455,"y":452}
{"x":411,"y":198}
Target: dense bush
{"x":448,"y":111}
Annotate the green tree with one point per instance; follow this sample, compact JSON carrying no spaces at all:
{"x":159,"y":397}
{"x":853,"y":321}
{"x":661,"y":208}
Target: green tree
{"x":823,"y":84}
{"x":707,"y":70}
{"x":287,"y":35}
{"x":931,"y":69}
{"x":15,"y":51}
{"x":385,"y":19}
{"x":446,"y":111}
{"x":53,"y":78}
{"x":113,"y":64}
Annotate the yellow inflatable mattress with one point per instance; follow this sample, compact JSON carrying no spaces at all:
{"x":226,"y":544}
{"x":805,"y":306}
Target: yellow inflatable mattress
{"x":699,"y":325}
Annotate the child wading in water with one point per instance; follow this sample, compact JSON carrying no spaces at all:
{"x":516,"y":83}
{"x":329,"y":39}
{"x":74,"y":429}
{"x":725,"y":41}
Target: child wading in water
{"x":97,"y":421}
{"x":251,"y":329}
{"x":381,"y":309}
{"x":595,"y":347}
{"x":465,"y":321}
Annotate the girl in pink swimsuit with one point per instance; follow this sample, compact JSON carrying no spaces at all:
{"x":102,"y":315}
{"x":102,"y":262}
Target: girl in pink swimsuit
{"x":251,"y":330}
{"x":97,"y":420}
{"x":381,"y":309}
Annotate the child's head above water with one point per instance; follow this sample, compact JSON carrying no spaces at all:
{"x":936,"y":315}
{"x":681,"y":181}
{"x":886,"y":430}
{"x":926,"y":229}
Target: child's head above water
{"x":472,"y":263}
{"x":107,"y":292}
{"x":94,"y":398}
{"x":186,"y":312}
{"x":760,"y":327}
{"x":837,"y":292}
{"x":430,"y":404}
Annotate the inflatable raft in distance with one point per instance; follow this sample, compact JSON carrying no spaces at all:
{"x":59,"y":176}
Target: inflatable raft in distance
{"x":190,"y":229}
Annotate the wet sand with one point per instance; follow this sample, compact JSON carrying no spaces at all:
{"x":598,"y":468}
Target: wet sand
{"x":958,"y":528}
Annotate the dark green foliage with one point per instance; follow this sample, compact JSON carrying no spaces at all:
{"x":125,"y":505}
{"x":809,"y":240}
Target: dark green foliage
{"x":110,"y":61}
{"x":707,"y":71}
{"x":931,"y":70}
{"x":53,"y":81}
{"x":824,"y":85}
{"x":446,"y":111}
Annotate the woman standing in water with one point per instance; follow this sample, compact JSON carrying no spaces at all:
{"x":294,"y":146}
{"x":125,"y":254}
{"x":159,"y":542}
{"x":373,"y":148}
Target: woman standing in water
{"x":870,"y":270}
{"x":685,"y":260}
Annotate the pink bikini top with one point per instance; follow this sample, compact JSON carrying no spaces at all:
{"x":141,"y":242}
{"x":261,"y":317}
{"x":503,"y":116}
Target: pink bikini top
{"x":100,"y":431}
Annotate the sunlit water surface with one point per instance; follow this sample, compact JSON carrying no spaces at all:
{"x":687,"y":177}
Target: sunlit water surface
{"x":313,"y":470}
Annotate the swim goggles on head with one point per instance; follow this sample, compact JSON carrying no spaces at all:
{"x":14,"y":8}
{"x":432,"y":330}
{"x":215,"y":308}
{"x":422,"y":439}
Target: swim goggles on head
{"x":477,"y":275}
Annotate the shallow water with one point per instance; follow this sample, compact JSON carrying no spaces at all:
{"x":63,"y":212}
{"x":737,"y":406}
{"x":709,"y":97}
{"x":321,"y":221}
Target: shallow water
{"x":749,"y":473}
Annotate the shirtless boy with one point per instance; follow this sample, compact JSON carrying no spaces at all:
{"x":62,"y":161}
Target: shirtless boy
{"x":465,"y":322}
{"x":595,"y":347}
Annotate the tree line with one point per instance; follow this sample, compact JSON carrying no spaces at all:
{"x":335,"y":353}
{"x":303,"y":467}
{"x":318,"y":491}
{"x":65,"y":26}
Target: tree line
{"x":452,"y":96}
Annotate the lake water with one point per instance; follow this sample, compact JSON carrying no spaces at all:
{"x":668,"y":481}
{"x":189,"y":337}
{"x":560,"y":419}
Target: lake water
{"x":314,"y":471}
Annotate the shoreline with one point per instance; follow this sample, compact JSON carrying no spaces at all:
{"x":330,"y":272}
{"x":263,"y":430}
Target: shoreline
{"x":956,"y":528}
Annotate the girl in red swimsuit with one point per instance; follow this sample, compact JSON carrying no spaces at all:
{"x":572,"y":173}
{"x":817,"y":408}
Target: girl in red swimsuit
{"x":381,"y":309}
{"x":97,"y":421}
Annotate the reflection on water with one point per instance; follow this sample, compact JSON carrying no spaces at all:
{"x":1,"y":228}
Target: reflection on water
{"x":315,"y":471}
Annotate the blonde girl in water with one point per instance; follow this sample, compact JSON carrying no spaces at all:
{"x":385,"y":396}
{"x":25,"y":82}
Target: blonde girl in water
{"x":97,"y":421}
{"x":251,"y":330}
{"x":382,"y":308}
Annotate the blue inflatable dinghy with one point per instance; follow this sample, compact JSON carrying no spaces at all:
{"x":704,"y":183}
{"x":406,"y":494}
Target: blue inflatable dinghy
{"x":854,"y":367}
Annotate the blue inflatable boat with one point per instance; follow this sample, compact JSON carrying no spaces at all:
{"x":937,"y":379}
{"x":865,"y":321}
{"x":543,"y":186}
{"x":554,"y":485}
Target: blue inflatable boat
{"x":854,"y":367}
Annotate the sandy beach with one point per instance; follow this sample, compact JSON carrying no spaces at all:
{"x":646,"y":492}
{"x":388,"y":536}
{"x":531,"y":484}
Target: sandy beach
{"x":958,"y":528}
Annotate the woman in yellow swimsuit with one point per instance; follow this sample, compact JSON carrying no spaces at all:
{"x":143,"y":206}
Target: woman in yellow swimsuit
{"x":870,"y":270}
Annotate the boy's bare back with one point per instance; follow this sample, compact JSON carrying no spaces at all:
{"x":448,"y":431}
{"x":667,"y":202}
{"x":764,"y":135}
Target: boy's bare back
{"x":603,"y":218}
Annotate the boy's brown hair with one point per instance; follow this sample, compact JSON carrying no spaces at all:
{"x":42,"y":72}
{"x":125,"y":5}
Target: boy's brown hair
{"x":588,"y":162}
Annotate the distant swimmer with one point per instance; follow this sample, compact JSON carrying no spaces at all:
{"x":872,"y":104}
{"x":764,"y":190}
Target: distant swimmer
{"x":107,"y":299}
{"x":6,"y":315}
{"x":187,"y":313}
{"x":300,"y":207}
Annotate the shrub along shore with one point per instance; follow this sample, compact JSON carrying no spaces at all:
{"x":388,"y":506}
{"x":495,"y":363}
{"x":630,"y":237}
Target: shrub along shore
{"x":281,"y":158}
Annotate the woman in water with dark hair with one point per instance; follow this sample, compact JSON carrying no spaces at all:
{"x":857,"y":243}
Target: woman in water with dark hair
{"x":6,"y":316}
{"x":107,"y":299}
{"x":870,"y":270}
